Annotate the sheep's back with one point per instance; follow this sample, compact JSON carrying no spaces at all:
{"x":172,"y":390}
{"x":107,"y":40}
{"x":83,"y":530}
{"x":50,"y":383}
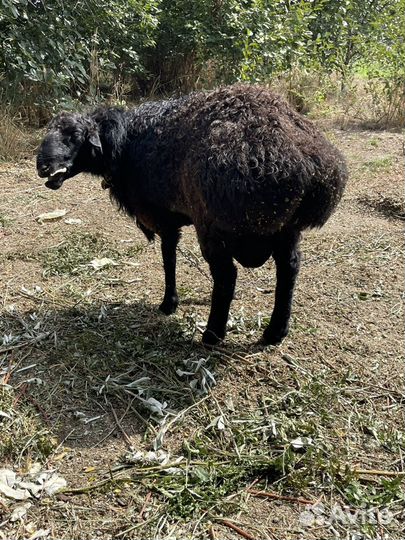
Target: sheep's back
{"x":258,"y":164}
{"x":238,"y":157}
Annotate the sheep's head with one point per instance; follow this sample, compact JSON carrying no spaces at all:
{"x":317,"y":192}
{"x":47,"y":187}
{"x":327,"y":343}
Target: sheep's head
{"x":70,"y":146}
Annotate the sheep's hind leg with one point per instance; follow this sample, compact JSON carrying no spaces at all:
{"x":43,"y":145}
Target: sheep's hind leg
{"x":287,"y":258}
{"x":224,"y":273}
{"x":169,"y":244}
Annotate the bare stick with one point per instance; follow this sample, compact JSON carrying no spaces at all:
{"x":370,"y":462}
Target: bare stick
{"x":378,"y":472}
{"x":211,"y":533}
{"x":237,"y":529}
{"x":126,"y":437}
{"x":147,"y":499}
{"x":271,"y":495}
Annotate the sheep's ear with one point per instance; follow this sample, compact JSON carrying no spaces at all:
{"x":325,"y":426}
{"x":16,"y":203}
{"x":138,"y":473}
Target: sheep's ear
{"x":94,"y":140}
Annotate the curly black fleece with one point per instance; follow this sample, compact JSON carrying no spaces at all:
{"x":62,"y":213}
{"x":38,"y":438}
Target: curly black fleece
{"x":239,"y":163}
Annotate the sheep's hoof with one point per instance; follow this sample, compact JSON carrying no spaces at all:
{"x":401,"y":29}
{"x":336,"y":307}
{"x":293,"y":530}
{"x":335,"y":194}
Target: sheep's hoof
{"x":169,"y":306}
{"x":274,"y":337}
{"x":210,"y":338}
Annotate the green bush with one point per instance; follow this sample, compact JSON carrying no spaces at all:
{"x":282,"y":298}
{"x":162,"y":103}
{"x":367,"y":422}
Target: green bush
{"x":60,"y":54}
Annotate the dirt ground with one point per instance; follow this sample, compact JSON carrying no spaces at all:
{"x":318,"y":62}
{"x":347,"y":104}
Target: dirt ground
{"x":246,"y":434}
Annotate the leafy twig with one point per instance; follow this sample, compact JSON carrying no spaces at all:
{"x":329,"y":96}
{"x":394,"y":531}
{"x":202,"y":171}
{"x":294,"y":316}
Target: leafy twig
{"x":24,"y":344}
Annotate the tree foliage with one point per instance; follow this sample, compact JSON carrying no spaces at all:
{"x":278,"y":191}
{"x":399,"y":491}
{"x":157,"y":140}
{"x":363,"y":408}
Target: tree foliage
{"x":55,"y":50}
{"x":54,"y":47}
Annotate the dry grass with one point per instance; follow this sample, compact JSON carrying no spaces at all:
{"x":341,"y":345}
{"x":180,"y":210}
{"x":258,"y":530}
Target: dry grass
{"x":13,"y":141}
{"x":371,"y":104}
{"x":240,"y":439}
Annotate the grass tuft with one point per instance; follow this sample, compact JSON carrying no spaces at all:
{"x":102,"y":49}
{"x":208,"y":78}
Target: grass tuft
{"x":74,"y":254}
{"x":23,"y":436}
{"x":14,"y":142}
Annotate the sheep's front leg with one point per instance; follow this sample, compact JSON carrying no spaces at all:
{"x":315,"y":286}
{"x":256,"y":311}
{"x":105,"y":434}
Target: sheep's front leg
{"x":224,"y":275}
{"x":287,"y":258}
{"x":169,"y":244}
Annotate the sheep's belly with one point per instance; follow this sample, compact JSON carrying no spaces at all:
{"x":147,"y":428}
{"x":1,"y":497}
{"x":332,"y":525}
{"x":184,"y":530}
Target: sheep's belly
{"x":251,"y":252}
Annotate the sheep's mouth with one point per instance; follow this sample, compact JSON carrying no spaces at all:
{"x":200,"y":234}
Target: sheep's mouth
{"x":56,"y":179}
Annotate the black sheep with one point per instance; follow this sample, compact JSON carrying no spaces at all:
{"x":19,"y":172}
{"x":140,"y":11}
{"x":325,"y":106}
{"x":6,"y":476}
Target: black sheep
{"x":238,"y":163}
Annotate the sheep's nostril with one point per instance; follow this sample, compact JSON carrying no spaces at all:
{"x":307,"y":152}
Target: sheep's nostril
{"x":43,"y":169}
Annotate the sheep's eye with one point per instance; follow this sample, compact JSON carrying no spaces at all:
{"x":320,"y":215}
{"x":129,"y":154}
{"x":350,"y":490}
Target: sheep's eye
{"x":67,"y":139}
{"x":74,"y":136}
